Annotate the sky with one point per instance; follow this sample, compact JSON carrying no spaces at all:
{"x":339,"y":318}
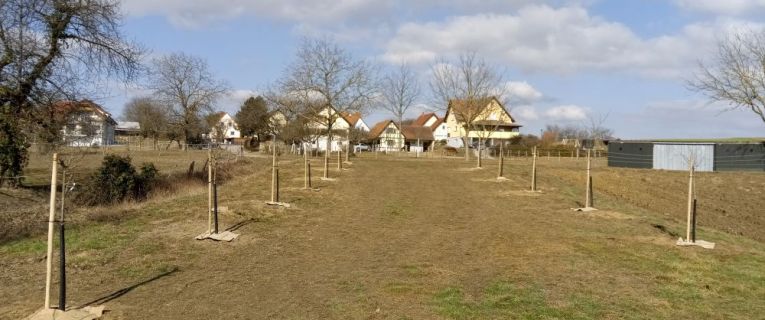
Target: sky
{"x":564,"y":61}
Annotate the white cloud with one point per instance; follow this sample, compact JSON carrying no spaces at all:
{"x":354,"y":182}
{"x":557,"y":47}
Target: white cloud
{"x":525,"y":113}
{"x":567,"y":113}
{"x":540,"y":38}
{"x":234,"y":99}
{"x":724,"y":7}
{"x":521,"y":92}
{"x":334,"y":13}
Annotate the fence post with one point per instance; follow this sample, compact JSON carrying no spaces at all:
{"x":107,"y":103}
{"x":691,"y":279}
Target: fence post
{"x":51,"y":218}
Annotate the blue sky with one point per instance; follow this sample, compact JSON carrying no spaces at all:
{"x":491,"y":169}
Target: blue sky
{"x":564,"y":61}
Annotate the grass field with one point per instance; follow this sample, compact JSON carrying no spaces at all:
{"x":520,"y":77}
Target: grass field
{"x":403,"y":238}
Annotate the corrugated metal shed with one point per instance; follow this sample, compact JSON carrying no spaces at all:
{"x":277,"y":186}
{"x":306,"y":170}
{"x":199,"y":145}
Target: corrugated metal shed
{"x":630,"y":155}
{"x":677,"y":156}
{"x":743,"y":156}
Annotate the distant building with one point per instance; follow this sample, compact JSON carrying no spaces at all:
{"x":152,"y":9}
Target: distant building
{"x":125,"y":131}
{"x":436,"y":125}
{"x":227,"y":127}
{"x":387,"y":136}
{"x":85,"y":123}
{"x":490,"y":121}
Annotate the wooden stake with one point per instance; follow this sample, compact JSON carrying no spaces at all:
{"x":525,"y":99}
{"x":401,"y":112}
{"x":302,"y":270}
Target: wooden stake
{"x":209,"y":189}
{"x":51,"y":218}
{"x":690,"y":200}
{"x":339,"y":162}
{"x":534,"y":170}
{"x":588,"y":197}
{"x":348,"y":147}
{"x":307,"y":168}
{"x":274,"y":178}
{"x":501,"y":162}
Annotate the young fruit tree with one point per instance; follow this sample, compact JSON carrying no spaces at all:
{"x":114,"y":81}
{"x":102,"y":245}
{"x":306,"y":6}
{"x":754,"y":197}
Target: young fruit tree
{"x":187,"y":86}
{"x":463,"y":88}
{"x":737,"y":74}
{"x":50,"y":51}
{"x":325,"y":81}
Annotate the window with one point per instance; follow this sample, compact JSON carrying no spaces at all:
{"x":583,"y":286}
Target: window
{"x":389,"y":143}
{"x":390,"y":130}
{"x":232,"y":133}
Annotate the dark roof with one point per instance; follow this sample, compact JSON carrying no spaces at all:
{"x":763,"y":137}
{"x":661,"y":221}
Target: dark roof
{"x":496,"y":123}
{"x":410,"y":132}
{"x":417,"y":132}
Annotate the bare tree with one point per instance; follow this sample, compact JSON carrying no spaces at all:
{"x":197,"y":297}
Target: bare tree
{"x":595,"y":127}
{"x":737,"y":74}
{"x":51,"y":50}
{"x":187,"y":86}
{"x":151,"y":115}
{"x":400,"y":89}
{"x":463,"y":88}
{"x":323,"y":82}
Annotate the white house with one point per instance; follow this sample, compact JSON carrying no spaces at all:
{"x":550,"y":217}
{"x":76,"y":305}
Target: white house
{"x":355,"y":120}
{"x":340,"y":125}
{"x":227,"y":126}
{"x":436,"y":124}
{"x":489,"y":121}
{"x":387,"y":136}
{"x":85,"y":123}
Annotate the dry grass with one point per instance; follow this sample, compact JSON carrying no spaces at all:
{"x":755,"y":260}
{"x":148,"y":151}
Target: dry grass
{"x":401,"y":238}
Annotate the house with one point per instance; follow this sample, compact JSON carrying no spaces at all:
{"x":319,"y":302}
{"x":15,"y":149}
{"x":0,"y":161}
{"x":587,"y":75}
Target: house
{"x":340,"y":126}
{"x":226,"y":127}
{"x":436,"y":124}
{"x":387,"y":136}
{"x":355,"y":121}
{"x":278,"y":119}
{"x":85,"y":123}
{"x":489,"y":121}
{"x":125,"y":131}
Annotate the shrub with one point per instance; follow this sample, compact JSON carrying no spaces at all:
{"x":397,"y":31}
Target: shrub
{"x":117,"y":180}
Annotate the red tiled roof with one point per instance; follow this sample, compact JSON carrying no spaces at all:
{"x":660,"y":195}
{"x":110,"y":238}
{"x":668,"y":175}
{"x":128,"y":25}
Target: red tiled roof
{"x":64,"y":107}
{"x":352,"y":118}
{"x":378,"y":128}
{"x":423,"y":118}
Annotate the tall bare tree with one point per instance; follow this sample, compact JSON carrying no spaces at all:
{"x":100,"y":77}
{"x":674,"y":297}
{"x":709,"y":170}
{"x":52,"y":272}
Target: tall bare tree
{"x":187,"y":86}
{"x":400,"y":89}
{"x":465,"y":86}
{"x":51,"y":50}
{"x":737,"y":74}
{"x":323,"y":82}
{"x":151,"y":115}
